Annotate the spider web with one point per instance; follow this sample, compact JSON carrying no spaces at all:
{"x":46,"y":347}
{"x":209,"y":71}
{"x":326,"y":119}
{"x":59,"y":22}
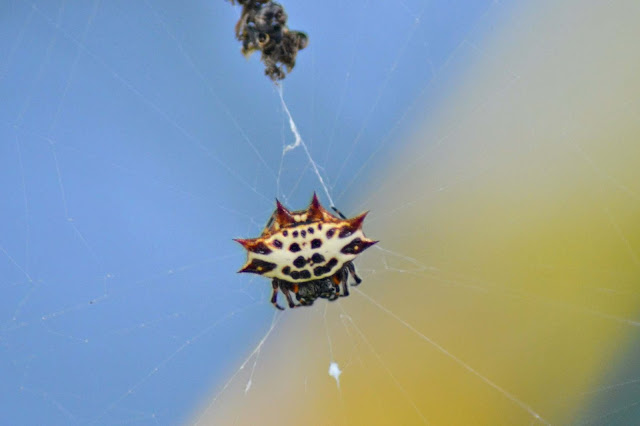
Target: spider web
{"x":494,"y":143}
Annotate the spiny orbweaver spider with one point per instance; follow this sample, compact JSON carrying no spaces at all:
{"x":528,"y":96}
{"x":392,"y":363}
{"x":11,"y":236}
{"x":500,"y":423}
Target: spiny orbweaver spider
{"x":308,"y":252}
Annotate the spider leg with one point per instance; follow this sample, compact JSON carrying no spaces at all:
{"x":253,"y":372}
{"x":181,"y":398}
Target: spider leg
{"x":342,"y":216}
{"x":341,"y":277}
{"x":285,"y":288}
{"x":274,"y":294}
{"x":287,"y":294}
{"x":303,"y":301}
{"x":335,"y":280}
{"x":344,"y":279}
{"x":270,"y":221}
{"x":352,"y":269}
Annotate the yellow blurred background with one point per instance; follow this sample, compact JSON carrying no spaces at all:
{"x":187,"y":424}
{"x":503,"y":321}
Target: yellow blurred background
{"x":507,"y":281}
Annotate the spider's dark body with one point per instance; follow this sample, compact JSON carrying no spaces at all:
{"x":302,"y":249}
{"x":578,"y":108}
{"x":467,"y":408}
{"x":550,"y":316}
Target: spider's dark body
{"x":307,"y":252}
{"x":308,"y":292}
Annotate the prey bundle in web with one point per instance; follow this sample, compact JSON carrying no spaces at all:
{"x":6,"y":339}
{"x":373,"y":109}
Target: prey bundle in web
{"x":263,"y":27}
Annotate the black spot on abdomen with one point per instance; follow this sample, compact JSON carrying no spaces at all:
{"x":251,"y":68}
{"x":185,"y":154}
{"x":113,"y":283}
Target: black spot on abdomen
{"x":299,"y":262}
{"x":345,"y":232}
{"x":305,"y":274}
{"x":356,"y":246}
{"x":294,"y":248}
{"x":258,"y":266}
{"x":320,"y":270}
{"x":260,"y":248}
{"x":316,"y":243}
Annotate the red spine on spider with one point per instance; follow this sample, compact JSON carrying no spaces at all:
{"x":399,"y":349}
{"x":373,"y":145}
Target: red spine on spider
{"x":308,"y":253}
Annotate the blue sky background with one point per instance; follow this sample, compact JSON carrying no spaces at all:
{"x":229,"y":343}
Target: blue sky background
{"x":136,"y":142}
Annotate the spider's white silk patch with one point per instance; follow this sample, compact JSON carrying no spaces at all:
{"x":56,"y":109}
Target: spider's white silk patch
{"x":335,"y":372}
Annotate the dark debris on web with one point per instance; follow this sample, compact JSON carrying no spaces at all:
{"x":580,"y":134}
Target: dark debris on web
{"x":263,"y":27}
